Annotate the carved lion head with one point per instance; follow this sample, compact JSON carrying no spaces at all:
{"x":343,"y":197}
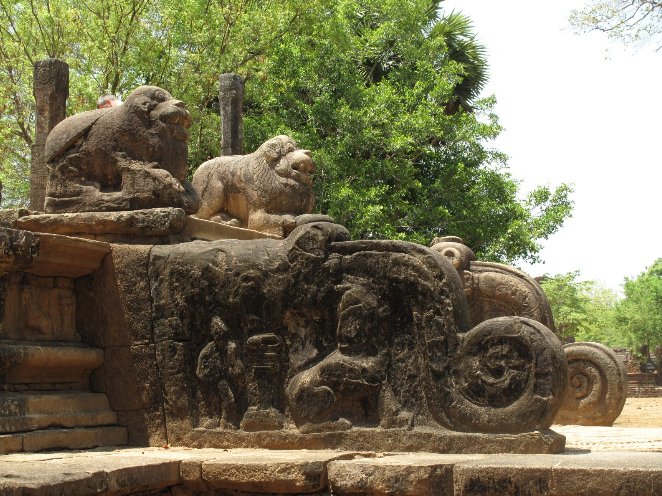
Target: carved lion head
{"x":291,"y":163}
{"x":164,"y":120}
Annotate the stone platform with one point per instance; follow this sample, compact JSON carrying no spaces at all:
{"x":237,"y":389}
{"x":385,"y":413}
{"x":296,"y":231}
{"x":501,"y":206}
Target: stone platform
{"x":202,"y":472}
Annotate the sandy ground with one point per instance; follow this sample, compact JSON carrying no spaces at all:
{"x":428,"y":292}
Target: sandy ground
{"x":641,"y":412}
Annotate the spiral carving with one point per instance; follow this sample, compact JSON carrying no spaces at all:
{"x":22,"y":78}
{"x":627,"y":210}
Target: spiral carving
{"x":508,"y":376}
{"x":597,"y":385}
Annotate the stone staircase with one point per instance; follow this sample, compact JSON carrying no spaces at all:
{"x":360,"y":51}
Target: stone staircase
{"x":47,"y":403}
{"x":45,"y":397}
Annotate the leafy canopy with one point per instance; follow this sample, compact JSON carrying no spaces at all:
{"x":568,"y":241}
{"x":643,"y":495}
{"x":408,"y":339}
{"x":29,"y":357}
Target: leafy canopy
{"x":385,"y":94}
{"x":582,"y":310}
{"x":639,"y":314}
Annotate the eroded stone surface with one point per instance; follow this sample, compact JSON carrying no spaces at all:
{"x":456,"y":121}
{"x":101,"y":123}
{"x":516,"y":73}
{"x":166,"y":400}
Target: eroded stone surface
{"x":123,"y":158}
{"x":316,"y":341}
{"x":150,"y":222}
{"x":597,"y":385}
{"x":411,"y":474}
{"x":495,"y":290}
{"x":179,"y":471}
{"x":561,"y":475}
{"x":263,"y":191}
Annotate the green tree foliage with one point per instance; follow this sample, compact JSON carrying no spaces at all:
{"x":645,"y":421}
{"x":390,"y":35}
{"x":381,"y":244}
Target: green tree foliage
{"x":583,"y":310}
{"x":639,"y":314}
{"x":384,"y":92}
{"x":634,"y":22}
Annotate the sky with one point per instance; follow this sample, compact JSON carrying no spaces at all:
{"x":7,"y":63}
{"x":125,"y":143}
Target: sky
{"x":579,"y":109}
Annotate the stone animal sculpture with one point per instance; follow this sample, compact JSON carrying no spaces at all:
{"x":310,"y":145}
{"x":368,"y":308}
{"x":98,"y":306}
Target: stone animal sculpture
{"x":130,"y":157}
{"x":264,"y":191}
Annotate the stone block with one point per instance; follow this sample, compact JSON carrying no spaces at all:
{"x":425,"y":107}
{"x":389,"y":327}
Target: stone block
{"x":11,"y":444}
{"x":146,"y":222}
{"x":26,"y":363}
{"x":80,"y":438}
{"x":264,"y":471}
{"x":122,"y":388}
{"x":585,"y":474}
{"x":67,"y":257}
{"x":32,"y":411}
{"x":411,"y":474}
{"x":208,"y":230}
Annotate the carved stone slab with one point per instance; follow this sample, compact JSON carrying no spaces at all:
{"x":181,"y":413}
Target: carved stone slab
{"x":49,"y":254}
{"x":318,"y":341}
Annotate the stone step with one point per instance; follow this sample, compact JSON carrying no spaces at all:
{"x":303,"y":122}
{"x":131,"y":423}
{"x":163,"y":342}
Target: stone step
{"x":51,"y":364}
{"x":78,"y":438}
{"x":243,"y":471}
{"x":34,"y":411}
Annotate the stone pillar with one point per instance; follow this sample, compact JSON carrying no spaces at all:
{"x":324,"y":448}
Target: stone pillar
{"x":231,"y":97}
{"x":51,"y":90}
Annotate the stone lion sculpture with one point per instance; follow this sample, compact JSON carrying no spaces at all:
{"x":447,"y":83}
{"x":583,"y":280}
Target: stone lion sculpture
{"x":265,"y":190}
{"x":129,"y":157}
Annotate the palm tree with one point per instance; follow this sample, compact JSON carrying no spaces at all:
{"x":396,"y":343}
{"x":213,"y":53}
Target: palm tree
{"x":462,"y":47}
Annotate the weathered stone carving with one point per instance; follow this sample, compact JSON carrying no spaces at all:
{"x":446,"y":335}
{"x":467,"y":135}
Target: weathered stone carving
{"x":124,"y":158}
{"x":264,"y":190}
{"x":493,"y":289}
{"x":39,"y":309}
{"x":597,"y":385}
{"x":315,"y":333}
{"x":18,"y":250}
{"x":51,"y":90}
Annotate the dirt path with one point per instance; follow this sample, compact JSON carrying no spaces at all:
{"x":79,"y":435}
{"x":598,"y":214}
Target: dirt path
{"x":641,"y":412}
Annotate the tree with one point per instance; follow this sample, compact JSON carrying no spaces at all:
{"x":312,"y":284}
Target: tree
{"x":583,"y":310}
{"x":380,"y":92}
{"x":112,"y":46}
{"x":634,"y":22}
{"x":569,"y":303}
{"x":640,"y":313}
{"x":383,"y":92}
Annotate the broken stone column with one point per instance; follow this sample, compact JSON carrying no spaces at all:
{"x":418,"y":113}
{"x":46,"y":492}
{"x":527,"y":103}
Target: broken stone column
{"x":231,"y":97}
{"x":51,"y":90}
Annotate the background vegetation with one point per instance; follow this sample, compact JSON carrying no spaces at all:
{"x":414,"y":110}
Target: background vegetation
{"x":384,"y":92}
{"x":585,"y":311}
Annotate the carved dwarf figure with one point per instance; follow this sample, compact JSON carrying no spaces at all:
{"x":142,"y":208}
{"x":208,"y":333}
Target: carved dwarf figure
{"x":128,"y":157}
{"x":264,"y":190}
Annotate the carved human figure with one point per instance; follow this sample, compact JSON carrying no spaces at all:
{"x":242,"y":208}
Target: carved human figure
{"x":348,"y":382}
{"x":126,"y":157}
{"x":219,"y":365}
{"x":265,"y":190}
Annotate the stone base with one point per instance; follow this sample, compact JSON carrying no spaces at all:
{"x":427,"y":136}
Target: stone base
{"x":49,"y":439}
{"x":208,"y":472}
{"x":433,"y":441}
{"x":148,"y":226}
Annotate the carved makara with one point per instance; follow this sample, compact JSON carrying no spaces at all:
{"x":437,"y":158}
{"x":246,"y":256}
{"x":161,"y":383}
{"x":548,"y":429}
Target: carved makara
{"x":333,"y":334}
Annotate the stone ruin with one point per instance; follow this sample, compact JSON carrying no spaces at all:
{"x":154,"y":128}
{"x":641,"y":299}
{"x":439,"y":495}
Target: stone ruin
{"x":126,"y":320}
{"x":597,"y":379}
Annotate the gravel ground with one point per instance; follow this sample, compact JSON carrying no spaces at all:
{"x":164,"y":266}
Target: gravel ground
{"x":641,"y":412}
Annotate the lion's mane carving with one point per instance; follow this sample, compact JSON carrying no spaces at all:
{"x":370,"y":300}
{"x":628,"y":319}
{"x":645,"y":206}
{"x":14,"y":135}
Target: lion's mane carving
{"x":123,"y":158}
{"x":264,"y":190}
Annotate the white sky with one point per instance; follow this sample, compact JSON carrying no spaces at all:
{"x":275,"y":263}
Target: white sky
{"x":582,"y":110}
